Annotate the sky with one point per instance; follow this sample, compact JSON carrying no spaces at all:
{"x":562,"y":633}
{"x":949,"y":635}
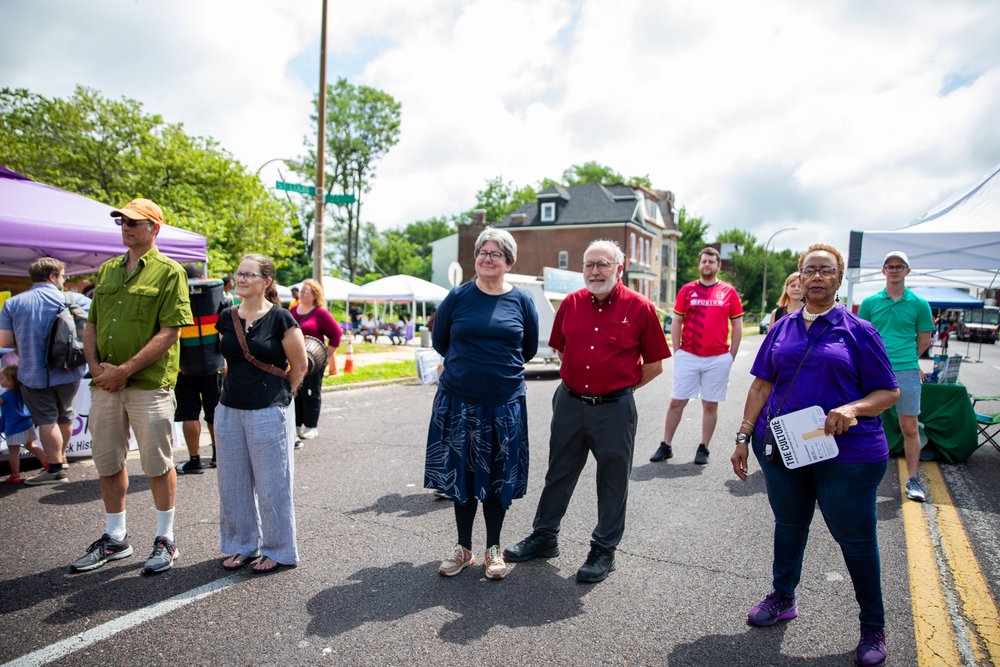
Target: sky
{"x":817,"y":116}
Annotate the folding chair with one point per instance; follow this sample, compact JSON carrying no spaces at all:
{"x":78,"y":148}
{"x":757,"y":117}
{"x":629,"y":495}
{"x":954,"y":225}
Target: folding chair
{"x":989,"y":424}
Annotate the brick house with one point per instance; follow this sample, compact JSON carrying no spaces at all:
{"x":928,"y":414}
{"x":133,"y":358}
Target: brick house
{"x":555,"y":230}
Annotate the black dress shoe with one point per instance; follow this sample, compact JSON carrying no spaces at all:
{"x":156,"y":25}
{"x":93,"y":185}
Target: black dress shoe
{"x":600,"y":563}
{"x":662,"y":453}
{"x":533,"y":546}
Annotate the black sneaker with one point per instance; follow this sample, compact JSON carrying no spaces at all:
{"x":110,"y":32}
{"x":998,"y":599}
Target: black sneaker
{"x":701,"y":456}
{"x":191,"y":468}
{"x":531,"y":547}
{"x":162,"y":559}
{"x":101,"y":551}
{"x":600,"y":563}
{"x":662,"y":453}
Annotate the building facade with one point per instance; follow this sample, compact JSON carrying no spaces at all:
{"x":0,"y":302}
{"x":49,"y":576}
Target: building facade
{"x":555,"y":230}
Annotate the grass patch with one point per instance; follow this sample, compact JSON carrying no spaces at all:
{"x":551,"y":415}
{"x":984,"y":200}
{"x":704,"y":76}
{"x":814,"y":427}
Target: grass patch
{"x":361,"y":346}
{"x":388,"y":371}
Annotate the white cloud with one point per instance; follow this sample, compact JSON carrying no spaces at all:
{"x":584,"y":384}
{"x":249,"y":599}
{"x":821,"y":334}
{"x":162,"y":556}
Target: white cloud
{"x":822,"y":116}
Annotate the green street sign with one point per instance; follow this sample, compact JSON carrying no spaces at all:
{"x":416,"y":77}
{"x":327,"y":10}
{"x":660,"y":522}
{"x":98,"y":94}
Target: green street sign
{"x":295,"y":187}
{"x":339,"y":199}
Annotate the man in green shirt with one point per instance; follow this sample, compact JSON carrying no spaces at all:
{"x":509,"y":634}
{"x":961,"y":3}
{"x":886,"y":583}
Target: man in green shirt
{"x":131,"y":340}
{"x":905,"y":322}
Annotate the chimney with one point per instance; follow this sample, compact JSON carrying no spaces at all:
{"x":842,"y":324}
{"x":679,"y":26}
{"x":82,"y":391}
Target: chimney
{"x":517,"y":219}
{"x":479,"y":216}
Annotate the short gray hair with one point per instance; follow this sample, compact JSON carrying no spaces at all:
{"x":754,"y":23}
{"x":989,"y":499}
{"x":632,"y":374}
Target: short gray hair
{"x":610,"y":245}
{"x":502,"y":238}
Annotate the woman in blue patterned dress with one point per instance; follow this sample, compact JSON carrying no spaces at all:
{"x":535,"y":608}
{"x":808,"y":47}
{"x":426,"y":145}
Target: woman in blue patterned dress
{"x":477,"y":443}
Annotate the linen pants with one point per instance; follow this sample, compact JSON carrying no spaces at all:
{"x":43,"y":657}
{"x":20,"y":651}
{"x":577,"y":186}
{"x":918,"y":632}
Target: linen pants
{"x":607,"y":430}
{"x":307,"y":401}
{"x":254,"y":455}
{"x":846,"y":494}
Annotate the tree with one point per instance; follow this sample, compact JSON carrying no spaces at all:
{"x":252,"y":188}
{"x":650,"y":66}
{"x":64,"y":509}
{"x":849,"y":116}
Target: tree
{"x":500,"y":198}
{"x":113,"y":151}
{"x":747,"y":274}
{"x":692,"y":229}
{"x":595,"y":172}
{"x":362,"y":125}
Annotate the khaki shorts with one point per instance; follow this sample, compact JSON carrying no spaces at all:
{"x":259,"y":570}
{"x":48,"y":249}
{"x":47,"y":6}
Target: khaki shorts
{"x":149,"y":412}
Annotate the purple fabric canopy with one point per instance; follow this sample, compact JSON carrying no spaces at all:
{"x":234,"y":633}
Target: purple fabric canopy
{"x":38,"y":220}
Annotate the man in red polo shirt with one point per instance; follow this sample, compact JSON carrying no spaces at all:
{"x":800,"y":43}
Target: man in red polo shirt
{"x":702,"y":315}
{"x":610,"y":342}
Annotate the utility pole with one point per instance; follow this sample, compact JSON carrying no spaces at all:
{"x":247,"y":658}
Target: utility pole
{"x":320,"y":154}
{"x":764,"y":292}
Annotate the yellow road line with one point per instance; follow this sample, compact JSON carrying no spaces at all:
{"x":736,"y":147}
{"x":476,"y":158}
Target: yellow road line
{"x":935,"y":636}
{"x":978,"y":605}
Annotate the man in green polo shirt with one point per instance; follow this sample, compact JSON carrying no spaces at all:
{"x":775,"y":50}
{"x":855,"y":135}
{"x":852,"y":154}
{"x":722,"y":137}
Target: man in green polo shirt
{"x":905,"y":322}
{"x":131,"y":340}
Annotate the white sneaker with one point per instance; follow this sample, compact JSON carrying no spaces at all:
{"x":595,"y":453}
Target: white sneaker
{"x":309,"y":433}
{"x":457,"y":560}
{"x":915,"y":491}
{"x":496,"y":566}
{"x":298,"y":430}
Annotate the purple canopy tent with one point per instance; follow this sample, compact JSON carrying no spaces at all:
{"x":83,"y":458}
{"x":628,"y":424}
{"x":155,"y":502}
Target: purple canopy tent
{"x":38,"y":220}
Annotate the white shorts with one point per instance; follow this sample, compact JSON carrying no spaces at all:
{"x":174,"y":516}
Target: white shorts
{"x":701,"y":377}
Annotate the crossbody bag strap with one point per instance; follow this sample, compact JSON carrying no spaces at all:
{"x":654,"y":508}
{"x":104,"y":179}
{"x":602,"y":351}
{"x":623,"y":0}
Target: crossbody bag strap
{"x":791,"y":382}
{"x":240,"y":336}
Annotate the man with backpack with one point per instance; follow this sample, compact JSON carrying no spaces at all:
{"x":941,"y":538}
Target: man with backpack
{"x":49,"y":389}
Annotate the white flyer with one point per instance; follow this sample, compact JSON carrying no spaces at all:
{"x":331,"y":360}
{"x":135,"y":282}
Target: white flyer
{"x":800,"y":439}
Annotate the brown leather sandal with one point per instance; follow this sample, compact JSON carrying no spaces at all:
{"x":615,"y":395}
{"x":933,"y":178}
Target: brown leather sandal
{"x":236,"y":564}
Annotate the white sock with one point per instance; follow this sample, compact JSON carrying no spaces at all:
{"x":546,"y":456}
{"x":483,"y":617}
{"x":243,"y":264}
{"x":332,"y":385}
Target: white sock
{"x":116,"y":525}
{"x":165,"y":524}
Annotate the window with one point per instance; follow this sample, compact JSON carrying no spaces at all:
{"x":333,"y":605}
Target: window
{"x":563,"y":259}
{"x":631,"y":254}
{"x":548,"y":212}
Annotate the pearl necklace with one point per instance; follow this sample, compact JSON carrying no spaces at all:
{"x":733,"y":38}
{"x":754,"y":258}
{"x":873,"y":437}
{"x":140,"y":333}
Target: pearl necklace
{"x":809,"y":317}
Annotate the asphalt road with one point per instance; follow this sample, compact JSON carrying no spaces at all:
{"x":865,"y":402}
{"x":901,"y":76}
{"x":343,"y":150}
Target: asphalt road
{"x":695,"y":557}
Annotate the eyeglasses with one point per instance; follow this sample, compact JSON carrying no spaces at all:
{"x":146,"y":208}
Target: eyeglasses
{"x":484,"y":254}
{"x":240,"y":275}
{"x":601,"y":266}
{"x":130,"y":223}
{"x":825,"y":271}
{"x":895,"y":268}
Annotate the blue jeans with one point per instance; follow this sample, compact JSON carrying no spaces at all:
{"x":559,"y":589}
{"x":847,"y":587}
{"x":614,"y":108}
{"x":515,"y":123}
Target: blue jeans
{"x":846,"y":495}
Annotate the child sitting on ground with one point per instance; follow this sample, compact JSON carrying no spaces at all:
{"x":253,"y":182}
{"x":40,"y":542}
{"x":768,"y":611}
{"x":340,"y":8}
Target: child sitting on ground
{"x":17,"y":426}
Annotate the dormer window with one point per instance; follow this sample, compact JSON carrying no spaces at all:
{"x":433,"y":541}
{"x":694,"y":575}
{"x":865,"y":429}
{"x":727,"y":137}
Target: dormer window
{"x":548,"y":212}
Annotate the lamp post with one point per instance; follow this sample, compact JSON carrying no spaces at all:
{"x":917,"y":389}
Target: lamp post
{"x":251,"y":217}
{"x":766,"y":252}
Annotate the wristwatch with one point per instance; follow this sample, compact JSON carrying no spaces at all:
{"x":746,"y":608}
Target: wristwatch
{"x":742,"y":438}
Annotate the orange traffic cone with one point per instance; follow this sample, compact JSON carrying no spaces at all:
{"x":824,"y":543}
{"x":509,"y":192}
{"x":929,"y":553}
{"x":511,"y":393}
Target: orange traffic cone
{"x":349,"y":361}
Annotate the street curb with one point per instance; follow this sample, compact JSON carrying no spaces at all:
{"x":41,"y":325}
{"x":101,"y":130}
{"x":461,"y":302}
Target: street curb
{"x":370,"y":383}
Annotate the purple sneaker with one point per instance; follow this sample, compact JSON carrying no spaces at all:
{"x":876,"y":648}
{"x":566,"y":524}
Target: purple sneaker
{"x":775,"y":607}
{"x":871,"y":647}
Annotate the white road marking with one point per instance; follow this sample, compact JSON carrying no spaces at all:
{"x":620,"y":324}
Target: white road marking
{"x":84,"y":639}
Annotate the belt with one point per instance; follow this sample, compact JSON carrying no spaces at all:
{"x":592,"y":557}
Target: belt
{"x":595,"y":399}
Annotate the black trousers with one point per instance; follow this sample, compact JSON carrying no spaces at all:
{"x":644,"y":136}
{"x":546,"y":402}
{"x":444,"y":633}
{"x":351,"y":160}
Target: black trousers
{"x":606,"y":430}
{"x":307,"y":401}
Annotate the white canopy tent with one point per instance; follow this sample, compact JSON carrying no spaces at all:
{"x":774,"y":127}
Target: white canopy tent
{"x":399,"y":289}
{"x":334,"y":289}
{"x":957,"y":243}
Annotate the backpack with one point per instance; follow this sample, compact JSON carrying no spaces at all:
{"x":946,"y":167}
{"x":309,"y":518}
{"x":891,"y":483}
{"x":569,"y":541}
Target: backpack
{"x":65,"y":346}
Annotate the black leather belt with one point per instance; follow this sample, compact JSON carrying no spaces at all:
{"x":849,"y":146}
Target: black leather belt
{"x":597,"y":399}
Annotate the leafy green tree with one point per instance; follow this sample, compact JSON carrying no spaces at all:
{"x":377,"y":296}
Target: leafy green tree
{"x":692,"y":240}
{"x":500,"y":198}
{"x":362,"y":125}
{"x":113,"y":151}
{"x":595,"y":172}
{"x":747,"y":273}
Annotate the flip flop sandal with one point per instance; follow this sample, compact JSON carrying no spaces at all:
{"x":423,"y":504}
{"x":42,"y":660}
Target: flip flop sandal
{"x":270,"y":569}
{"x":238,"y":564}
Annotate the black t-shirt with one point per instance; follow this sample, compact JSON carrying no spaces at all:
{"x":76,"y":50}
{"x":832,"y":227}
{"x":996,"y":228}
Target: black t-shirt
{"x":247,"y":387}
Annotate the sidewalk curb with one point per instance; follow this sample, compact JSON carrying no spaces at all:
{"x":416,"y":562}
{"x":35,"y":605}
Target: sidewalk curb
{"x":370,"y":383}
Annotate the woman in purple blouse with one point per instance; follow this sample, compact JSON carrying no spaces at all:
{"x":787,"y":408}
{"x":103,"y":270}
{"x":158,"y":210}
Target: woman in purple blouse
{"x":847,"y":373}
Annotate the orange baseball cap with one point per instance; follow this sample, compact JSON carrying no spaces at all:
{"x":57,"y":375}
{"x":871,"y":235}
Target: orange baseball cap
{"x":140,"y":209}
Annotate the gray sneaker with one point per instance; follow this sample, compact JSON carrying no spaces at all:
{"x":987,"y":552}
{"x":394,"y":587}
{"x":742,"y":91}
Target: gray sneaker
{"x":101,"y":551}
{"x":162,"y":559}
{"x":61,"y":477}
{"x":914,"y":490}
